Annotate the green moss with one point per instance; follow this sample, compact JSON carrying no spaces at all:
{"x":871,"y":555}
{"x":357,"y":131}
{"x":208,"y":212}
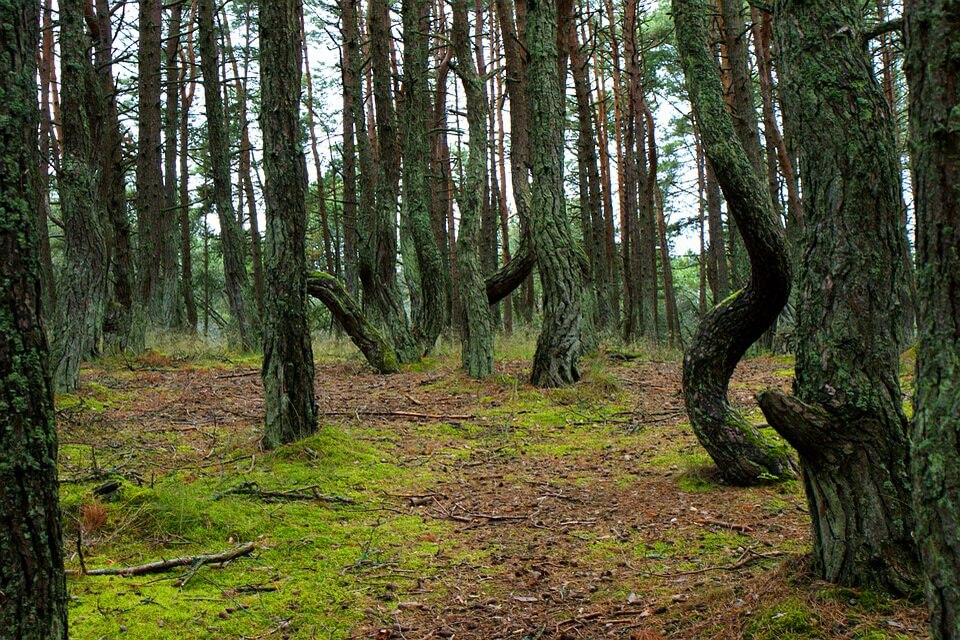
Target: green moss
{"x":789,"y":619}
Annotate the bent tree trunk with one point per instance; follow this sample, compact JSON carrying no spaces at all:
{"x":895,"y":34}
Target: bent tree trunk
{"x":291,"y":406}
{"x":932,"y":70}
{"x":33,"y":592}
{"x":846,"y":420}
{"x":742,"y":454}
{"x":559,"y":345}
{"x":375,"y":347}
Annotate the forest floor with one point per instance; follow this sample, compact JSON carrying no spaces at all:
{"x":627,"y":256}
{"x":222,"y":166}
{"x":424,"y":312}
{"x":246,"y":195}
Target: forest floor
{"x":431,"y":505}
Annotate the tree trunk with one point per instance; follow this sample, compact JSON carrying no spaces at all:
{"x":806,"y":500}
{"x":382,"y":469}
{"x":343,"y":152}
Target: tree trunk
{"x":171,"y":129}
{"x":476,"y":329}
{"x":82,"y":294}
{"x":559,"y":344}
{"x":432,"y":315}
{"x":187,"y":91}
{"x":33,"y":592}
{"x":243,"y":332}
{"x":350,"y":52}
{"x":291,"y":406}
{"x":932,"y":71}
{"x":742,"y":454}
{"x":847,"y":420}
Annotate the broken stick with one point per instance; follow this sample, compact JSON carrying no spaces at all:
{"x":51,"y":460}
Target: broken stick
{"x":166,"y":565}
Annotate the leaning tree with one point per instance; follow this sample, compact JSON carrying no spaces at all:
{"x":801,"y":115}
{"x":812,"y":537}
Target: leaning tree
{"x":742,"y":454}
{"x":33,"y":592}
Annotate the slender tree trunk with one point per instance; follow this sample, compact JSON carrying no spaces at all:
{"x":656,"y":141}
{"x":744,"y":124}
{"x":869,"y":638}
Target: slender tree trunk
{"x":434,"y":311}
{"x":171,"y":129}
{"x":349,"y":53}
{"x":242,"y":318}
{"x":318,"y":167}
{"x":82,"y":293}
{"x":291,"y":406}
{"x":932,"y":71}
{"x":33,"y":591}
{"x":847,"y":420}
{"x":46,"y":57}
{"x":742,"y":454}
{"x":476,"y":328}
{"x":559,"y":344}
{"x":187,"y":91}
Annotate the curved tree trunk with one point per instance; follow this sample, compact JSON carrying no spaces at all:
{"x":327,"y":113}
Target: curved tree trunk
{"x":559,"y":345}
{"x":82,"y":294}
{"x":476,"y":329}
{"x":33,"y":592}
{"x":741,"y":453}
{"x":375,"y":347}
{"x":847,"y":420}
{"x":932,"y":71}
{"x":291,"y":406}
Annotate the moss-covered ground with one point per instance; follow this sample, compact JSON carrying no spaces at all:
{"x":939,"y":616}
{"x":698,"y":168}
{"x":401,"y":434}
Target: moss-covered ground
{"x":430,"y":505}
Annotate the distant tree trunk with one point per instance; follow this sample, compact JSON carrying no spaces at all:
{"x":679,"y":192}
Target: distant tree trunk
{"x":318,"y":167}
{"x":158,"y":274}
{"x":78,"y":325}
{"x":559,"y":345}
{"x":435,"y":286}
{"x":847,"y":419}
{"x":46,"y":57}
{"x":243,"y":332}
{"x":349,"y":53}
{"x":33,"y":592}
{"x":476,"y":328}
{"x":171,"y":129}
{"x":291,"y":406}
{"x":377,"y":238}
{"x":120,"y":327}
{"x":187,"y":91}
{"x":932,"y":71}
{"x":717,"y":253}
{"x":742,"y":454}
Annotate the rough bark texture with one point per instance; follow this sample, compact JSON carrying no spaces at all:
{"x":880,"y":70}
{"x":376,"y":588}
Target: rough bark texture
{"x":932,"y":71}
{"x":351,"y":95}
{"x":375,"y":347}
{"x":433,"y":313}
{"x":559,"y":344}
{"x":187,"y":91}
{"x":476,"y":339}
{"x":291,"y":406}
{"x":742,"y":455}
{"x":170,"y":131}
{"x":83,"y":281}
{"x":243,"y":332}
{"x":847,"y":420}
{"x":33,"y":592}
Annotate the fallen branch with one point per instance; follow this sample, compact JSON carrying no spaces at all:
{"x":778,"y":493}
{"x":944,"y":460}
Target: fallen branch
{"x":400,"y":414}
{"x":303,"y":493}
{"x":195,"y":562}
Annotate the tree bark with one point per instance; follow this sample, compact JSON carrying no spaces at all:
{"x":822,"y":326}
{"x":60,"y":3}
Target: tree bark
{"x":476,"y":330}
{"x":33,"y":592}
{"x":82,"y":295}
{"x":349,"y":53}
{"x":291,"y":406}
{"x":187,"y":91}
{"x":243,"y":333}
{"x":559,"y":344}
{"x":742,"y":454}
{"x":932,"y":71}
{"x":847,"y":419}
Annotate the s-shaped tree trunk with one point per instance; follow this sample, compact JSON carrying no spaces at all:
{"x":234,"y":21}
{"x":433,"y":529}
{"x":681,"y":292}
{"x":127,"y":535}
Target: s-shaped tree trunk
{"x":742,"y":454}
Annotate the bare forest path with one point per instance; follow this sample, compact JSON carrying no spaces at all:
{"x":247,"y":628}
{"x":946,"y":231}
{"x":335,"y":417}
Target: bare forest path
{"x":431,"y":505}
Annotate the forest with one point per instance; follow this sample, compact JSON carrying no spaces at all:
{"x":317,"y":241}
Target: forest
{"x":503,"y":319}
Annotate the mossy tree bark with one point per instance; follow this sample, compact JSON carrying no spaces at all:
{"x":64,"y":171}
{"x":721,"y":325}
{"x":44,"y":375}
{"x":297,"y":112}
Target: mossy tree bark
{"x":350,"y":52}
{"x":742,"y":454}
{"x":932,"y":71}
{"x":243,"y":325}
{"x":846,"y":420}
{"x":433,"y":312}
{"x":476,"y":329}
{"x":83,"y":282}
{"x":291,"y":406}
{"x":33,"y":592}
{"x":378,"y":351}
{"x":559,"y":345}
